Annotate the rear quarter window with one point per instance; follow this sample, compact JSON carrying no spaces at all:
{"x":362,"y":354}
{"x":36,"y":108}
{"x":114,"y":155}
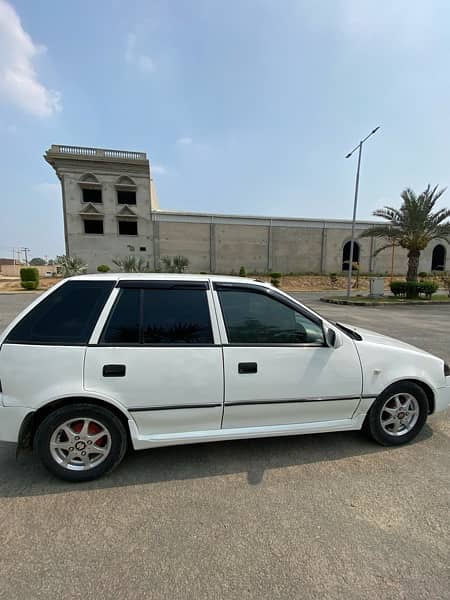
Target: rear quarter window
{"x":67,"y":316}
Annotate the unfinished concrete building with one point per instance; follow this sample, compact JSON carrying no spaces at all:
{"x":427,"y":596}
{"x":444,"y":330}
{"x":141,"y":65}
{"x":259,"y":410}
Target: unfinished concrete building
{"x":111,"y":211}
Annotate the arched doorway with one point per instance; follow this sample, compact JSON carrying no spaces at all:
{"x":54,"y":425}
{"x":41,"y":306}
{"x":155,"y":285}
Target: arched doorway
{"x":438,"y":258}
{"x":346,"y":254}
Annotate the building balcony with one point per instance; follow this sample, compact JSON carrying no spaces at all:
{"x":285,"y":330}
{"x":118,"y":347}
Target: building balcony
{"x":57,"y":151}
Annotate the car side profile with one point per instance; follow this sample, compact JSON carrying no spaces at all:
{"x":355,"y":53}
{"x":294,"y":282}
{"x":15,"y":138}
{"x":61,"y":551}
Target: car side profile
{"x":100,"y":363}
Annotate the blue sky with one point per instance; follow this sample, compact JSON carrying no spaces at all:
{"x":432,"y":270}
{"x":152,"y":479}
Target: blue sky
{"x":244,"y":106}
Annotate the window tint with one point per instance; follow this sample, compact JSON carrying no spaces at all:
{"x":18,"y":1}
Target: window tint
{"x":159,"y":316}
{"x":255,"y":318}
{"x":67,"y":316}
{"x":176,"y":316}
{"x":92,"y":195}
{"x":123,"y":324}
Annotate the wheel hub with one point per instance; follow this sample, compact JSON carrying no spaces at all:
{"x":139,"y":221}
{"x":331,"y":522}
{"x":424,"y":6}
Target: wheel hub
{"x":80,"y":444}
{"x":399,"y":414}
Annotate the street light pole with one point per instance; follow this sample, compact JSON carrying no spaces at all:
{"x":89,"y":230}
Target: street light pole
{"x":355,"y":204}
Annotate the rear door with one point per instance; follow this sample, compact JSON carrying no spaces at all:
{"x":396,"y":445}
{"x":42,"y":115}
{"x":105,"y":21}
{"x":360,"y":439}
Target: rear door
{"x":278,"y":369}
{"x":159,"y":355}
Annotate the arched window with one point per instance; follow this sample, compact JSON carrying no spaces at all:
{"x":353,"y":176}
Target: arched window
{"x":91,"y":189}
{"x":346,"y":254}
{"x":126,"y":190}
{"x":88,"y":178}
{"x":438,"y":258}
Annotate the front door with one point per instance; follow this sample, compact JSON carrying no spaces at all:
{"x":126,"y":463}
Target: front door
{"x":278,"y":369}
{"x":157,"y":356}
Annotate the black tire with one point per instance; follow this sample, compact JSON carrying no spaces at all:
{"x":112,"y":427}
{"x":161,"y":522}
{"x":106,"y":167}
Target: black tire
{"x":373,"y":423}
{"x":117,"y":441}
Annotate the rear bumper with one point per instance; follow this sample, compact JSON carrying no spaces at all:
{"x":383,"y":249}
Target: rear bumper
{"x":442,"y":398}
{"x":11,"y":419}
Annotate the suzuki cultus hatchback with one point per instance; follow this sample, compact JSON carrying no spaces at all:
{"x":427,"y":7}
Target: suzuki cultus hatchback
{"x":103,"y":362}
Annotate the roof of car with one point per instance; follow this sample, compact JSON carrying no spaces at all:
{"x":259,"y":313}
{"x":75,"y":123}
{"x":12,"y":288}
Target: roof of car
{"x":167,"y":276}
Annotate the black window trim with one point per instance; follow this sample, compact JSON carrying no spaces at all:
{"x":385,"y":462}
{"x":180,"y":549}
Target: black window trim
{"x":142,"y":285}
{"x":231,"y":286}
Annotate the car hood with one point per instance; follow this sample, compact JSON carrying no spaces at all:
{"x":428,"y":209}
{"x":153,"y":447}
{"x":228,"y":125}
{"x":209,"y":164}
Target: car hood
{"x":382,"y":340}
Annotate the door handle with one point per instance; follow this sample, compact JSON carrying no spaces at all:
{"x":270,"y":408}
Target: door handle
{"x":114,"y":370}
{"x":250,"y":367}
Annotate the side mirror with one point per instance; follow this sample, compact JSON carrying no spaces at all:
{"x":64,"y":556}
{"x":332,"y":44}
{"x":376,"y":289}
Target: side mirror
{"x":331,"y":337}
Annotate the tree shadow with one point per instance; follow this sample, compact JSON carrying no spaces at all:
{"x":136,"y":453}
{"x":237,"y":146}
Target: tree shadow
{"x":26,"y":477}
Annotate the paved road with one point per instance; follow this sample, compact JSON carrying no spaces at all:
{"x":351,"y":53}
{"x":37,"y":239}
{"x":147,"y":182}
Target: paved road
{"x":324,"y":516}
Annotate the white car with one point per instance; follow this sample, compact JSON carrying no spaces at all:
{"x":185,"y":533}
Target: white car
{"x":103,"y":362}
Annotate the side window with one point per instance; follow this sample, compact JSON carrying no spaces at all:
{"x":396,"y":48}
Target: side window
{"x":67,"y":316}
{"x":159,"y":316}
{"x":176,"y":316}
{"x":256,"y":318}
{"x":123,"y":323}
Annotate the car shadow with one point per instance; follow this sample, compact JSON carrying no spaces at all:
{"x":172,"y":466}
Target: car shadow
{"x":25,"y":476}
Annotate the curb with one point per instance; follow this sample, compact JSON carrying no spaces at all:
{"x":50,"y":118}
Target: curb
{"x":375,"y":303}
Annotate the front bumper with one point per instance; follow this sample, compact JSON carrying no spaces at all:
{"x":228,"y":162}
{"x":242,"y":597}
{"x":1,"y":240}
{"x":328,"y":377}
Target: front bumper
{"x":11,"y":419}
{"x":442,"y":398}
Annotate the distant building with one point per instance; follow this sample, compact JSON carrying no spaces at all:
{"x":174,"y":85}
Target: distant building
{"x":111,"y":210}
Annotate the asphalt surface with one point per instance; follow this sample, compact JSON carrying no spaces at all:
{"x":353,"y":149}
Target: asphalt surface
{"x":323,"y":516}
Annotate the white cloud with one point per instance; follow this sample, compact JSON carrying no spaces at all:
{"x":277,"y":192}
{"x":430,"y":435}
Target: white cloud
{"x":19,"y":83}
{"x":142,"y":61}
{"x":157,"y":169}
{"x":184,"y":141}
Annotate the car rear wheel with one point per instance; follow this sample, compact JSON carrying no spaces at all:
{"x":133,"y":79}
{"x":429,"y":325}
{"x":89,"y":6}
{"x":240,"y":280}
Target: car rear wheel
{"x":398,"y":414}
{"x":80,"y":443}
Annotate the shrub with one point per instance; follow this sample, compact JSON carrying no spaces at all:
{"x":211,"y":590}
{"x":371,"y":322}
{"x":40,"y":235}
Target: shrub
{"x":180,"y":263}
{"x":29,"y":285}
{"x":446,"y":282}
{"x":423,"y":275}
{"x":412,"y":289}
{"x":70,"y":265}
{"x":29,"y":274}
{"x":242,"y":272}
{"x":176,"y":265}
{"x":333,"y":278}
{"x":275,"y":278}
{"x":428,"y":288}
{"x":103,"y":268}
{"x":132,"y":264}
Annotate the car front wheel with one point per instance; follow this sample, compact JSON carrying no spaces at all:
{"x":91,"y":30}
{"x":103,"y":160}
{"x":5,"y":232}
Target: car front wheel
{"x":80,"y":443}
{"x":398,"y":414}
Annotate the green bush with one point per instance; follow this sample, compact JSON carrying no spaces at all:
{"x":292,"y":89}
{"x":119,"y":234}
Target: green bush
{"x":29,"y":285}
{"x":413,"y":289}
{"x":275,"y":278}
{"x":398,"y":288}
{"x":428,"y":288}
{"x":423,"y":275}
{"x":29,"y":274}
{"x":242,"y":272}
{"x":103,"y":268}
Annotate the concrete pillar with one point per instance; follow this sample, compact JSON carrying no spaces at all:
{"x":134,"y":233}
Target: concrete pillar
{"x":212,"y":248}
{"x":66,"y":233}
{"x":156,"y":256}
{"x":323,"y":250}
{"x":371,"y":256}
{"x":269,"y":248}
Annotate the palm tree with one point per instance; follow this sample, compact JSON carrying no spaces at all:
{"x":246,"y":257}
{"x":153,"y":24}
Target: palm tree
{"x":413,"y":225}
